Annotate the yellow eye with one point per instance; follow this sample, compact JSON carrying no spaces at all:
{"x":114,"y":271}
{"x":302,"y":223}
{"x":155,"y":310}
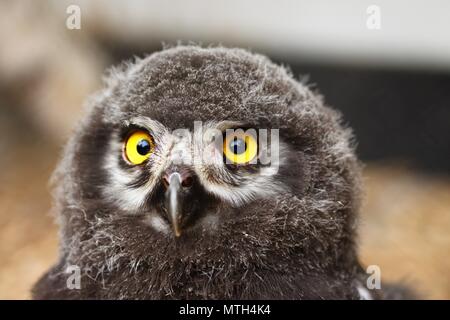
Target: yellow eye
{"x":138,"y":147}
{"x":240,"y":147}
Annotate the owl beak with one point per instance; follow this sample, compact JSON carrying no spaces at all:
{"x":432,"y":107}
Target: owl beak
{"x":173,"y":201}
{"x":178,"y":185}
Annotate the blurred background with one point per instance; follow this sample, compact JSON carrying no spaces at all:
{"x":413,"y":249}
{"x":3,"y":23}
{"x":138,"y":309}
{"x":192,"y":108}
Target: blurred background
{"x":384,"y":64}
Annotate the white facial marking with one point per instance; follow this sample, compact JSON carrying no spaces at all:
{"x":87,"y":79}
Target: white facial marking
{"x":130,"y":198}
{"x":249,"y":188}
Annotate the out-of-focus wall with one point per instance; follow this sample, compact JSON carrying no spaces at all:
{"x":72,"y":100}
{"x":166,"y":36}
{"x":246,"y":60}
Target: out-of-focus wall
{"x":413,"y":33}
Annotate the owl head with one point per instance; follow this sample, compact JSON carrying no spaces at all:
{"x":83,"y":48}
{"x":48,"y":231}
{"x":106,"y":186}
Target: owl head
{"x":194,"y":149}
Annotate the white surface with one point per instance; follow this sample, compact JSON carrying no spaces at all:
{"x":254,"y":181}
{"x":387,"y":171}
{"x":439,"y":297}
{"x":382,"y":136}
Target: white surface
{"x":413,"y":33}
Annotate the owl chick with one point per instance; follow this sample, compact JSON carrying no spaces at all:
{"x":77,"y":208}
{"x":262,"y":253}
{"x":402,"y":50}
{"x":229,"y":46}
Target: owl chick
{"x":142,"y":216}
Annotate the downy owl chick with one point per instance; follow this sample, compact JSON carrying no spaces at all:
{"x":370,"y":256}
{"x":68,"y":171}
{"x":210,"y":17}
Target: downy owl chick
{"x":207,"y":173}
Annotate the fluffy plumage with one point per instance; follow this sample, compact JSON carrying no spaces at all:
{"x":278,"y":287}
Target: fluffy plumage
{"x":290,"y":236}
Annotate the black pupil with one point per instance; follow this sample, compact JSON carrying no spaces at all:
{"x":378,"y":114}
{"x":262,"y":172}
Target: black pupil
{"x":143,"y":147}
{"x":238,"y":146}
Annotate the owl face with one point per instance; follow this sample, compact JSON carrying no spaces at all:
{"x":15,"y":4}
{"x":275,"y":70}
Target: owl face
{"x":207,"y":145}
{"x":178,"y":179}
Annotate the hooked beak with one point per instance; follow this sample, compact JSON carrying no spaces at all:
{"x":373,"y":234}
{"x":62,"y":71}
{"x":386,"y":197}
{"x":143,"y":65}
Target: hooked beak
{"x":178,"y":198}
{"x":173,"y":202}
